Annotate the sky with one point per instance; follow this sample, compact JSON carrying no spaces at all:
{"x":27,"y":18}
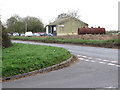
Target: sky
{"x":103,"y":13}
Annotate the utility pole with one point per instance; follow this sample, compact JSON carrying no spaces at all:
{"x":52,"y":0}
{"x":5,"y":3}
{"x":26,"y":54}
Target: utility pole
{"x":26,"y":27}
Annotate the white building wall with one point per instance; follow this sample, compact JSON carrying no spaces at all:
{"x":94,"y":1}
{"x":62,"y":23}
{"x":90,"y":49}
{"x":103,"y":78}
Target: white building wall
{"x":47,"y":30}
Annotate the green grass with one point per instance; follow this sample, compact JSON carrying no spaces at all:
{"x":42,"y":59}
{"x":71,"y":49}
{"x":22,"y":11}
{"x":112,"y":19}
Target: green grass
{"x":102,"y":43}
{"x":23,"y":58}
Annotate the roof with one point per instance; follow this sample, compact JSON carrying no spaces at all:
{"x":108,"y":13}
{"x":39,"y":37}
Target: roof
{"x":62,"y":20}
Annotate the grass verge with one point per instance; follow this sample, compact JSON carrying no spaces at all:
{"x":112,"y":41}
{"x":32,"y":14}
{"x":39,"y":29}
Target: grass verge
{"x":23,"y":58}
{"x":111,"y":43}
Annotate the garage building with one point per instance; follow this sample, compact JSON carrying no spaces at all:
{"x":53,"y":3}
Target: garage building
{"x":65,"y":26}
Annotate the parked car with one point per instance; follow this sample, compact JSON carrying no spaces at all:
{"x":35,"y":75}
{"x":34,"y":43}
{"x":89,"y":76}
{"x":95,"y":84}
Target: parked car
{"x":36,"y":34}
{"x":9,"y":34}
{"x":28,"y":34}
{"x":43,"y":34}
{"x":22,"y":35}
{"x":50,"y":34}
{"x":119,"y":32}
{"x":15,"y":34}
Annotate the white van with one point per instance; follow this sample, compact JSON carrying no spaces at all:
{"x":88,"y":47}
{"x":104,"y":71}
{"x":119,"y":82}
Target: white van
{"x":28,"y":34}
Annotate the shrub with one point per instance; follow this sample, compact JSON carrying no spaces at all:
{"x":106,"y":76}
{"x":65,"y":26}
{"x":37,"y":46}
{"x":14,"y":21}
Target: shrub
{"x":5,"y":39}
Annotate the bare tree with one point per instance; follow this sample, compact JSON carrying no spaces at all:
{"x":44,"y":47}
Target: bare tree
{"x":73,"y":14}
{"x":69,"y":14}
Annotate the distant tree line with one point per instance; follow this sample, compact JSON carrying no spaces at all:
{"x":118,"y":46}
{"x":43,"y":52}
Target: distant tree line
{"x":17,"y":24}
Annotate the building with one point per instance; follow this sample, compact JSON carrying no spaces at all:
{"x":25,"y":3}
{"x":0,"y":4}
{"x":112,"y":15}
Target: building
{"x":65,"y":26}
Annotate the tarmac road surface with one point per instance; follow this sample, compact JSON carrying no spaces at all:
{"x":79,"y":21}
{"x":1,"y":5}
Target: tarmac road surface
{"x":96,"y":68}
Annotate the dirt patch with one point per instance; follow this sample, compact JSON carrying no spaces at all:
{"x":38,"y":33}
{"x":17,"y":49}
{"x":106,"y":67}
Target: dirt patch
{"x":91,"y":36}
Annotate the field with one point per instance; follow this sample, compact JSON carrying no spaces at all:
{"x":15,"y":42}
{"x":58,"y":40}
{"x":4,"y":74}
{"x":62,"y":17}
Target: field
{"x":23,"y":58}
{"x":105,"y":40}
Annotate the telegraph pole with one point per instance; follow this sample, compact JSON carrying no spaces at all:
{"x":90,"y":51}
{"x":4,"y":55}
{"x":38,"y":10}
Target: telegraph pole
{"x":26,"y":27}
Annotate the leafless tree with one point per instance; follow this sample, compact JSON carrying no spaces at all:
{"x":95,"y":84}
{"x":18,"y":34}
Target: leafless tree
{"x":74,"y":14}
{"x":69,"y":14}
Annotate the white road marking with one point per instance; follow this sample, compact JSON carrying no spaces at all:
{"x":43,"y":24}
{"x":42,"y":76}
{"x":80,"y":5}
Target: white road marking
{"x":84,"y":56}
{"x":114,"y":61}
{"x":79,"y":55}
{"x":110,"y":87}
{"x":110,"y":64}
{"x":106,"y":60}
{"x":81,"y":58}
{"x":102,"y":62}
{"x":117,"y":65}
{"x":87,"y":60}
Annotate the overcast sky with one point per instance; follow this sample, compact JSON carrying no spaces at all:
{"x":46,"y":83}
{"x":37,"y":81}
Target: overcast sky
{"x":102,"y":13}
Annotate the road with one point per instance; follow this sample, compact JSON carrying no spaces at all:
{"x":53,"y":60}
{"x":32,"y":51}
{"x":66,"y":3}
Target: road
{"x":96,"y":68}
